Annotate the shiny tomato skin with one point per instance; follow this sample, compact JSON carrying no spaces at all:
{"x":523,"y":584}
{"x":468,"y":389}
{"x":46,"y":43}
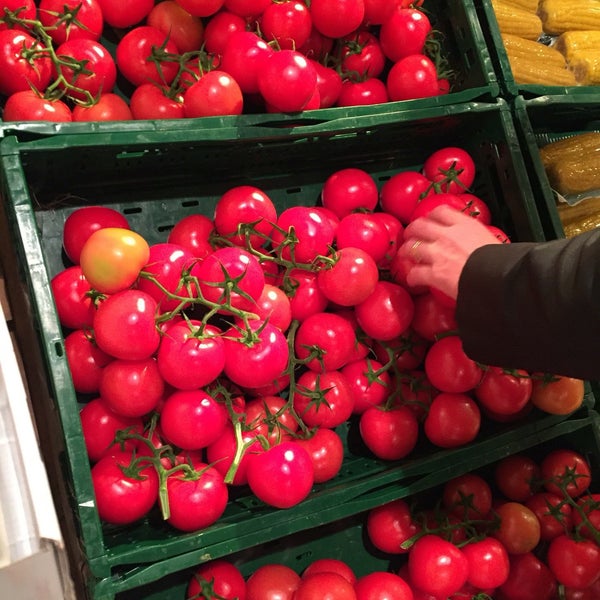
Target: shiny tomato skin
{"x":151,"y":101}
{"x":271,"y":417}
{"x":516,"y":476}
{"x":574,"y":563}
{"x":519,"y":529}
{"x":363,"y":231}
{"x":306,"y":297}
{"x":185,"y":29}
{"x":193,"y":232}
{"x":124,"y":325}
{"x":529,"y":579}
{"x":381,"y":585}
{"x":288,"y":24}
{"x":468,"y":495}
{"x":338,"y":19}
{"x":504,"y":392}
{"x":450,"y":160}
{"x":282,"y":476}
{"x":330,"y":565}
{"x":272,"y":582}
{"x":437,"y":566}
{"x":112,"y":258}
{"x":390,"y":525}
{"x":28,"y":105}
{"x":196,"y":503}
{"x":192,"y":419}
{"x":216,"y":93}
{"x":122,"y":499}
{"x":389,"y":434}
{"x":325,"y":586}
{"x":86,"y":361}
{"x":489,"y":564}
{"x":367,"y":389}
{"x":226,"y":579}
{"x":589,"y":505}
{"x":453,"y":420}
{"x":124,"y":15}
{"x":555,"y":516}
{"x":361,"y":55}
{"x":73,"y":298}
{"x":108,"y":107}
{"x":401,"y":193}
{"x":326,"y":450}
{"x":432,"y":317}
{"x":558,"y":396}
{"x":412,"y":77}
{"x":568,"y":468}
{"x":24,"y":9}
{"x":404,"y":33}
{"x":349,"y":189}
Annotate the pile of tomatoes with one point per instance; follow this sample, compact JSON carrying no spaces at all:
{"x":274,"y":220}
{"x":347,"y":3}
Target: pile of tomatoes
{"x":232,"y":353}
{"x":527,"y":529}
{"x":195,"y":58}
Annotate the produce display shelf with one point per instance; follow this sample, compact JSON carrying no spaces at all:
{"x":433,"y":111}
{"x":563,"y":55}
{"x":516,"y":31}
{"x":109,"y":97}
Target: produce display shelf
{"x":509,"y":88}
{"x":463,"y":45}
{"x":157,"y":181}
{"x":346,"y":540}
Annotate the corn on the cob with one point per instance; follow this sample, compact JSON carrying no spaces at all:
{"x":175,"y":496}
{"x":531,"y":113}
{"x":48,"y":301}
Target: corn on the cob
{"x":530,"y":70}
{"x":586,"y":67}
{"x":519,"y":46}
{"x":583,"y":216}
{"x":528,"y":5}
{"x":575,"y":175}
{"x":559,"y":16}
{"x":517,"y":21}
{"x":576,"y":146}
{"x":569,"y":42}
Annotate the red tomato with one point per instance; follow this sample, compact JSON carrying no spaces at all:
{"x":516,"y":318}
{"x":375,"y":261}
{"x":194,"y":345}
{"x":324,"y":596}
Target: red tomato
{"x":73,"y":298}
{"x":364,"y":231}
{"x":86,"y":361}
{"x":412,"y":77}
{"x":404,"y":33}
{"x":504,"y":392}
{"x":224,"y":578}
{"x":558,"y":395}
{"x":529,"y":579}
{"x":197,"y":501}
{"x":245,"y":205}
{"x":519,"y":529}
{"x":216,"y":93}
{"x":86,"y":19}
{"x":555,"y":516}
{"x":323,"y":399}
{"x":453,"y":420}
{"x":112,"y":258}
{"x":588,"y":511}
{"x":351,"y":279}
{"x":361,"y":55}
{"x":362,"y":93}
{"x":107,"y":107}
{"x":29,"y":105}
{"x":401,"y":193}
{"x":272,"y":582}
{"x":452,"y":168}
{"x":260,"y":363}
{"x":370,"y":386}
{"x":325,"y":341}
{"x":201,"y":8}
{"x":135,"y":49}
{"x":389,"y":434}
{"x":325,"y":586}
{"x":517,"y":476}
{"x":338,"y":19}
{"x":231,"y":276}
{"x":124,"y":492}
{"x":348,"y":190}
{"x":192,"y":419}
{"x":288,"y":23}
{"x":123,"y":15}
{"x":329,"y":83}
{"x":330,"y":565}
{"x":186,"y":30}
{"x":390,"y":525}
{"x":152,"y":101}
{"x":488,"y":563}
{"x":429,"y":202}
{"x":306,"y":297}
{"x":381,"y":585}
{"x":218,"y":30}
{"x":386,"y":313}
{"x":99,"y":426}
{"x":193,"y":232}
{"x":124,"y":325}
{"x":22,"y":9}
{"x":282,"y":476}
{"x":275,"y":307}
{"x":326,"y":451}
{"x":574,"y":563}
{"x":287,"y":80}
{"x":437,"y":566}
{"x":132,"y":388}
{"x":271,"y":417}
{"x":468,"y":495}
{"x":565,"y":472}
{"x":449,"y":368}
{"x":378,"y":11}
{"x":432,"y":317}
{"x":247,"y":8}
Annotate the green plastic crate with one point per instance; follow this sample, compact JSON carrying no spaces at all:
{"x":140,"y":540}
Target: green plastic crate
{"x":463,"y":45}
{"x":346,"y":539}
{"x":157,"y":182}
{"x":509,"y":88}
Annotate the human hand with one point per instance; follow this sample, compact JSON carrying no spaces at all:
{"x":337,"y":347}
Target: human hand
{"x":438,"y":246}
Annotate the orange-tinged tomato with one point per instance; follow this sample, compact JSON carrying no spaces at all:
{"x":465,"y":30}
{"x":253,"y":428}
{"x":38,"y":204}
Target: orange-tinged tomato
{"x":519,"y":528}
{"x":112,"y":258}
{"x":557,"y":395}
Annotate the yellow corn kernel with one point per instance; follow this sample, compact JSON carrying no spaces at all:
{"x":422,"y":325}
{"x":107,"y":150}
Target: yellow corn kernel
{"x":519,"y":46}
{"x":559,"y":16}
{"x":528,"y":70}
{"x":572,"y":147}
{"x":583,"y":216}
{"x":575,"y":175}
{"x":517,"y":21}
{"x":586,"y":67}
{"x":569,"y":42}
{"x":528,"y":5}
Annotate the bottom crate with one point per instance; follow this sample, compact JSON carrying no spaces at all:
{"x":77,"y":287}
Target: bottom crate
{"x":347,"y":539}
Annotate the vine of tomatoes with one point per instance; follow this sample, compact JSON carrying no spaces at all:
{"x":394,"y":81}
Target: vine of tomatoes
{"x":184,"y":58}
{"x":230,"y":353}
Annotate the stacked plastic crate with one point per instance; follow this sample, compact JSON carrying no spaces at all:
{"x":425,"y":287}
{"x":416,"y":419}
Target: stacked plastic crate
{"x":158,"y":172}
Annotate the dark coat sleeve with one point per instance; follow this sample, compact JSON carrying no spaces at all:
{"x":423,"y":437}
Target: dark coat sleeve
{"x":534,"y":306}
